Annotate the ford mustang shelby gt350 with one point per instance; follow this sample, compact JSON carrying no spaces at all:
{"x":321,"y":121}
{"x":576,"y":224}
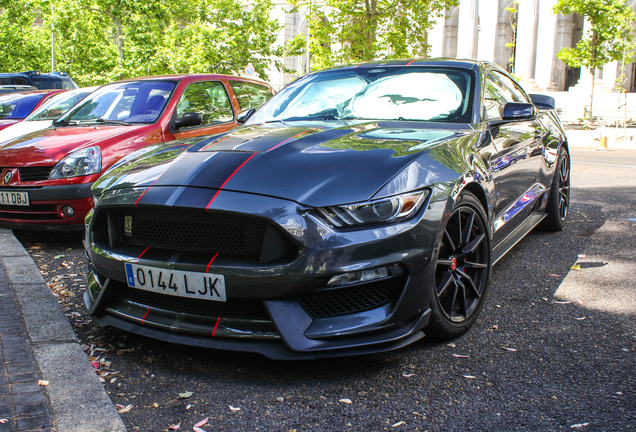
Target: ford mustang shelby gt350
{"x":359,"y":209}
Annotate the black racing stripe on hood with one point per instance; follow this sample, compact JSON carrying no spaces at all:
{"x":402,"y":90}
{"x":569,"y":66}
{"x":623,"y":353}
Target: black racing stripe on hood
{"x":211,"y":172}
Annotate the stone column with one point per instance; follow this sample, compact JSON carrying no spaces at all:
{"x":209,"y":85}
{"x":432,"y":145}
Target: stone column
{"x":436,"y":37}
{"x":563,"y":39}
{"x":487,"y":34}
{"x":450,"y":38}
{"x":527,"y":27}
{"x":546,"y":41}
{"x":467,"y":29}
{"x":611,"y":72}
{"x":504,"y":36}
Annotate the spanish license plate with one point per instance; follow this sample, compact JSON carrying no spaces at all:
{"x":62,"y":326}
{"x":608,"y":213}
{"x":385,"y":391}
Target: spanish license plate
{"x":177,"y":283}
{"x":14,"y":198}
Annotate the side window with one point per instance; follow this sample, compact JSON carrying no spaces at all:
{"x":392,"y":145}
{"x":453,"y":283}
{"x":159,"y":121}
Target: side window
{"x":21,"y":81}
{"x":207,"y":98}
{"x":513,"y":88}
{"x":493,"y":100}
{"x":250,"y":95}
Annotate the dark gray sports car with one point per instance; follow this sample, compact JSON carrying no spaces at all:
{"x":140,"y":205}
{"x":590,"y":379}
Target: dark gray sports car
{"x":359,"y":209}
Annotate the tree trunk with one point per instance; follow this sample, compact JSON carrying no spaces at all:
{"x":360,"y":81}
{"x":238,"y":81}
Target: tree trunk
{"x":119,"y":39}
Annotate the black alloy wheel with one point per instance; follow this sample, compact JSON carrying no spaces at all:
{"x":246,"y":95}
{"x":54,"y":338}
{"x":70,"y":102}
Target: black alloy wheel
{"x":462,"y":273}
{"x":559,"y":199}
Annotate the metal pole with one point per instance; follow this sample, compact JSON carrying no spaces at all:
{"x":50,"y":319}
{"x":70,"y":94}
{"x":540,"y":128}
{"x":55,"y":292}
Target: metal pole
{"x":308,"y":19}
{"x":52,"y":51}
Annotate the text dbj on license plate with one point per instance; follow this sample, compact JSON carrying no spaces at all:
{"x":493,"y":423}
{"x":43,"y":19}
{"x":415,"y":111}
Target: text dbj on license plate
{"x":14,"y":198}
{"x":177,"y":283}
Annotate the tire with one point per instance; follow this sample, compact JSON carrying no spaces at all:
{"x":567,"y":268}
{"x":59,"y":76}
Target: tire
{"x":559,"y":198}
{"x":462,"y":270}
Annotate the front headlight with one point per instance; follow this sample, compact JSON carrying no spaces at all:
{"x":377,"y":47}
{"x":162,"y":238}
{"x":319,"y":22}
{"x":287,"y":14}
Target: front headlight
{"x":80,"y":163}
{"x":374,"y":212}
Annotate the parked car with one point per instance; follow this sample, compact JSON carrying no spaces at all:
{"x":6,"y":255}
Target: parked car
{"x":15,"y":88}
{"x":359,"y":209}
{"x":15,"y":107}
{"x":43,"y":117}
{"x":37,"y":79}
{"x":46,"y":176}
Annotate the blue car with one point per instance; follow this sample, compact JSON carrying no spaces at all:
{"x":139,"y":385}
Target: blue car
{"x":39,"y":80}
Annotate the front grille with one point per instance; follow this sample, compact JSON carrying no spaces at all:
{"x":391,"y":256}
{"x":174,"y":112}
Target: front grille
{"x":195,"y":231}
{"x":28,"y":174}
{"x":232,"y":308}
{"x":354,"y":299}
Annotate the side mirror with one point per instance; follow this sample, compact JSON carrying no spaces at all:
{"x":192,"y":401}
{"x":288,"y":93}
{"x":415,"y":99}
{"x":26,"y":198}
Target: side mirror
{"x":543,"y":102}
{"x":518,"y":111}
{"x":188,"y":119}
{"x":244,"y":115}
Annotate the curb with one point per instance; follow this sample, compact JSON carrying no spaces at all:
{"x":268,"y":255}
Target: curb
{"x":77,"y":399}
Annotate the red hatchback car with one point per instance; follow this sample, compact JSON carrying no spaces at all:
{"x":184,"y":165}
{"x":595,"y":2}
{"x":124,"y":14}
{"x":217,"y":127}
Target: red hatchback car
{"x":15,"y":107}
{"x":46,"y":176}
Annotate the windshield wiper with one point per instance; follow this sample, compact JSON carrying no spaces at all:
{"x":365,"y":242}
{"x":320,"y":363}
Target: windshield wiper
{"x":117,"y":122}
{"x":320,"y":118}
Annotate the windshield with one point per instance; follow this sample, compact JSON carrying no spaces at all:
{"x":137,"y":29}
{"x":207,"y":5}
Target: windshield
{"x":378,"y":93}
{"x":59,"y":104}
{"x":18,"y":105}
{"x":130,"y":102}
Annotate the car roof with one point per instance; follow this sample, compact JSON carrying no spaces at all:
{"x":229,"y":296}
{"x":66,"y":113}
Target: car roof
{"x":468,"y":64}
{"x":193,"y":77}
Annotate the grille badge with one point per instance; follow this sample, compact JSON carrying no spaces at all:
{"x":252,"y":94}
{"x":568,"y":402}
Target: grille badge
{"x":7,"y":177}
{"x":127,"y":225}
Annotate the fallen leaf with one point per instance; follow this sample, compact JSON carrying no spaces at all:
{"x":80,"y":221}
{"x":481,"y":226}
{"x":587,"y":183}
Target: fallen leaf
{"x":580,"y":319}
{"x":581,"y":255}
{"x":59,"y":256}
{"x":509,"y":349}
{"x":112,"y":380}
{"x":175,"y":427}
{"x":234,"y":409}
{"x":3,"y":420}
{"x":124,"y":409}
{"x":347,"y":401}
{"x":185,"y":394}
{"x":554,"y":275}
{"x":460,"y":356}
{"x":202,"y":422}
{"x":400,"y":423}
{"x":155,"y":405}
{"x":452,"y":345}
{"x":197,"y":427}
{"x":405,"y":376}
{"x":563,"y":302}
{"x":43,"y":382}
{"x":469,"y":376}
{"x":576,"y":267}
{"x":579,"y":425}
{"x":280,"y":399}
{"x":95,"y":364}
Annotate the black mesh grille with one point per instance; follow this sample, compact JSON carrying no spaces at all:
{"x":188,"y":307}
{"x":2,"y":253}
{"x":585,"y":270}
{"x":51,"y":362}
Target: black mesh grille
{"x":232,"y":308}
{"x":34,"y":173}
{"x":196,"y":231}
{"x":348,"y":300}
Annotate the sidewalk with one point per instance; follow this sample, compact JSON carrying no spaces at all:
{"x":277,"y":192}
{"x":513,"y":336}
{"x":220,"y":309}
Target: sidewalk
{"x":38,"y":343}
{"x":590,"y":138}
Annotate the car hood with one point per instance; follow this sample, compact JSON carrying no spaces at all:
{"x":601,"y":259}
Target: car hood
{"x":312,"y":163}
{"x":48,"y":146}
{"x":6,"y":123}
{"x":23,"y":128}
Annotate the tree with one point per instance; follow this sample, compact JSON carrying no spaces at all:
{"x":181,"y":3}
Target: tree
{"x":608,"y":34}
{"x":344,"y":31}
{"x":98,"y":41}
{"x":23,"y":47}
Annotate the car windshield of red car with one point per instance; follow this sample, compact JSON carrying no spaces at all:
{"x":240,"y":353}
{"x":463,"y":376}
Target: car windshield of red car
{"x":374,"y":93}
{"x":18,"y":106}
{"x":58,"y":105}
{"x":130,"y":102}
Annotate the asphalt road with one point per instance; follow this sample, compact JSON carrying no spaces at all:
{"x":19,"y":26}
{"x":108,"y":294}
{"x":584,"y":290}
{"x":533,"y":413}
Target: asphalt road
{"x":554,"y":348}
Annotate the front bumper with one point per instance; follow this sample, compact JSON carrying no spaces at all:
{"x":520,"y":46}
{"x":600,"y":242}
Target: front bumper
{"x":285,"y":327}
{"x":45,"y":209}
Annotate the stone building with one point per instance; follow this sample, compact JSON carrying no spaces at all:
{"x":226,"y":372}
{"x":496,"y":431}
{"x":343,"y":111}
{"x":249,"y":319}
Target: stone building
{"x":483,"y":29}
